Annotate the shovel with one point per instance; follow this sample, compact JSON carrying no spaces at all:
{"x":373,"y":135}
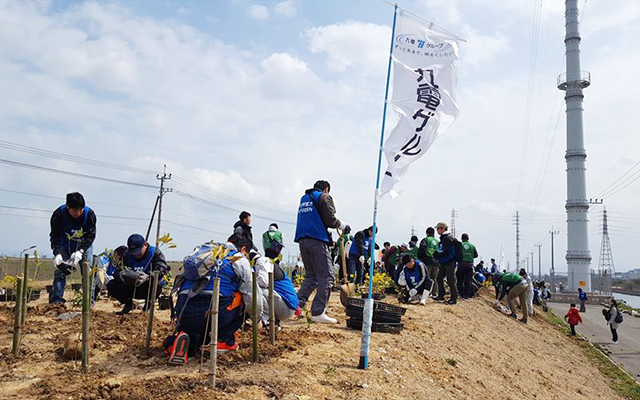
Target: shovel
{"x":346,"y":289}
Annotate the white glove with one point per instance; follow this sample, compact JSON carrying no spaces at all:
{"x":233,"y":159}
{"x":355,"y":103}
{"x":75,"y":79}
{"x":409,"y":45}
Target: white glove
{"x":76,"y":257}
{"x":361,"y":259}
{"x":413,"y":292}
{"x":58,"y":260}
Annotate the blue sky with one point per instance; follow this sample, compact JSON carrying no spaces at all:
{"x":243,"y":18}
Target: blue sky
{"x":250,"y":102}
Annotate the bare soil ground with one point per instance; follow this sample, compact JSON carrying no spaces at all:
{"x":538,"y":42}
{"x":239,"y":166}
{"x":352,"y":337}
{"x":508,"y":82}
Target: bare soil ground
{"x":445,"y":352}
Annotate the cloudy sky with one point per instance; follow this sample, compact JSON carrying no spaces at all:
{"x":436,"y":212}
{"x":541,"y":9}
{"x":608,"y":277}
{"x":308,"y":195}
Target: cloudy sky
{"x":249,"y":102}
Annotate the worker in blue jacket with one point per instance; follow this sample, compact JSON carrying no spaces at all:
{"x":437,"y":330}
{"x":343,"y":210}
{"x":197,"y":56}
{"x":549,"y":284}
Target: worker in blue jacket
{"x":131,"y":281}
{"x":73,"y":230}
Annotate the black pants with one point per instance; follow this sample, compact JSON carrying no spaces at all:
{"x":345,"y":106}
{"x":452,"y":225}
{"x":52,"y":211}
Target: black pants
{"x":448,"y":270}
{"x":464,"y":276}
{"x":125,"y":294}
{"x":573,"y":330}
{"x":614,"y":333}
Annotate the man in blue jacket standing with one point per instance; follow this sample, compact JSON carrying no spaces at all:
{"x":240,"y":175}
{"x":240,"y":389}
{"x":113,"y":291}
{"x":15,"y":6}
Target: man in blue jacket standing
{"x":73,"y":230}
{"x":359,"y":253}
{"x":316,"y":214}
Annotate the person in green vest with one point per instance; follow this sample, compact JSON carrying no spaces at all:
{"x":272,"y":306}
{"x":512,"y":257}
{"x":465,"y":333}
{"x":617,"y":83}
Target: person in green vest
{"x":428,"y":246}
{"x":464,"y":274}
{"x":513,"y":286}
{"x":273,"y":243}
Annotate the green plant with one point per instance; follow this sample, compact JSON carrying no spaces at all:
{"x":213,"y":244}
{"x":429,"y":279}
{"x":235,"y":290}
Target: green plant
{"x":452,"y":361}
{"x":330,"y":369}
{"x":166,"y":240}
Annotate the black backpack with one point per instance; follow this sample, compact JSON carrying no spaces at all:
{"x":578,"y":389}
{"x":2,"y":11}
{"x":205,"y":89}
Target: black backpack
{"x":458,"y":249}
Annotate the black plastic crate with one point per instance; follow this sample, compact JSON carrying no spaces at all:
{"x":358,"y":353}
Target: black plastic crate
{"x":378,"y":316}
{"x":376,"y":326}
{"x":377,"y":306}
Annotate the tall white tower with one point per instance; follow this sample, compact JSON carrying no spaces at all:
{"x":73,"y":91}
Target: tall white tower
{"x":572,"y":82}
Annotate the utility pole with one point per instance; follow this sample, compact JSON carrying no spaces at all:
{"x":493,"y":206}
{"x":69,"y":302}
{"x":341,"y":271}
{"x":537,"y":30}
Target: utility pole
{"x":454,"y":214}
{"x":539,"y":246}
{"x":532,"y":264}
{"x":552,"y":271}
{"x":516,"y":222}
{"x":163,"y":190}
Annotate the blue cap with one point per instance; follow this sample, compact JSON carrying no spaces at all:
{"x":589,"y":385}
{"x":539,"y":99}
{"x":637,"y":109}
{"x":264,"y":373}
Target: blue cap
{"x":135,"y":243}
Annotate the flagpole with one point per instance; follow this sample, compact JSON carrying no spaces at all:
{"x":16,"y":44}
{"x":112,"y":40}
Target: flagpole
{"x":368,"y":306}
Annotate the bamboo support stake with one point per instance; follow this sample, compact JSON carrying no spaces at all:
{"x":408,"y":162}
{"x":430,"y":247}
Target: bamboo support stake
{"x":254,"y":319}
{"x":86,"y":315}
{"x":272,"y":311}
{"x":17,"y":318}
{"x":213,"y":360}
{"x":151,"y":306}
{"x":25,"y":282}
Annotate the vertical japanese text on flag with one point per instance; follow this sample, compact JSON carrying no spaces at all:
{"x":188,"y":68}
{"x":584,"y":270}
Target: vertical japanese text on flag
{"x":424,"y":84}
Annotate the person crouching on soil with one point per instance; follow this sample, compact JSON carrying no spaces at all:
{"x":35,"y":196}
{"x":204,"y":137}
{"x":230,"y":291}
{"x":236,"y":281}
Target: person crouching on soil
{"x":131,"y":280}
{"x":195,"y":297}
{"x":573,"y":318}
{"x":513,"y":285}
{"x":414,"y":281}
{"x":285,"y":298}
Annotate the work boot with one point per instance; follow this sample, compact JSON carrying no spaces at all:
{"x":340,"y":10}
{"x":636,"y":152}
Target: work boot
{"x":323,"y":319}
{"x":523,"y":320}
{"x":126,"y":309}
{"x":425,"y":296}
{"x":452,"y":302}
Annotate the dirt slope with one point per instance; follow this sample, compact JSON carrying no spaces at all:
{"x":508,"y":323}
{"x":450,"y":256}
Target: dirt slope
{"x":495,"y":358}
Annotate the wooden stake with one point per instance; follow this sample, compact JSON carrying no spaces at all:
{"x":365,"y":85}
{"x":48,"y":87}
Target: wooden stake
{"x":272,"y":311}
{"x":155,"y":276}
{"x":25,"y":282}
{"x":254,"y":302}
{"x":17,"y":318}
{"x":213,"y":360}
{"x":86,"y":315}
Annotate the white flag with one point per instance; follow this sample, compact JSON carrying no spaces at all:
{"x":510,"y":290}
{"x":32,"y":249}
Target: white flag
{"x":424,"y":99}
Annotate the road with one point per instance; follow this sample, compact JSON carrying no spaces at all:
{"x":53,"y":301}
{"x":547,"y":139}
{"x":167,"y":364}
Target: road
{"x":626,"y":352}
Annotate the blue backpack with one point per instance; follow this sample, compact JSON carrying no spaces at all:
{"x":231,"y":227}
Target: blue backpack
{"x":203,"y":264}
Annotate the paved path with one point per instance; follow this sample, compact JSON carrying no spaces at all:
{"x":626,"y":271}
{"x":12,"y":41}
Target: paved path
{"x":595,"y":328}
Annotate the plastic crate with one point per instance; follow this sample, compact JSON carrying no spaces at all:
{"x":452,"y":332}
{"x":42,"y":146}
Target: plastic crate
{"x":377,"y":306}
{"x":376,"y":326}
{"x":378,"y":316}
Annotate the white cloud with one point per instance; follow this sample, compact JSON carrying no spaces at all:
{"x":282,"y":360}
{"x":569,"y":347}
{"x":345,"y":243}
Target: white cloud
{"x":351,"y":45}
{"x":258,"y":12}
{"x":288,"y":8}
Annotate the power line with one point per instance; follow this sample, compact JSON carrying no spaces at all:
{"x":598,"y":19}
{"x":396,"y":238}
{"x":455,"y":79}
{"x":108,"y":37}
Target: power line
{"x":58,"y":171}
{"x":218,"y":205}
{"x":62,"y":198}
{"x":73,"y":158}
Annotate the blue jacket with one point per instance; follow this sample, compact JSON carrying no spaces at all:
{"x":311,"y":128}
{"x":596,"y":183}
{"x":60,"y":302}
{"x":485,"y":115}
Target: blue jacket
{"x":309,"y":223}
{"x":144,"y":264}
{"x":357,"y":250}
{"x":447,"y":251}
{"x":64,"y":227}
{"x":284,"y":287}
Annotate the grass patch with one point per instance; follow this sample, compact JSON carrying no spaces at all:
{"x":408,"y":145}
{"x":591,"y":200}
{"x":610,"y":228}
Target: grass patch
{"x":452,"y":361}
{"x":619,"y":380}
